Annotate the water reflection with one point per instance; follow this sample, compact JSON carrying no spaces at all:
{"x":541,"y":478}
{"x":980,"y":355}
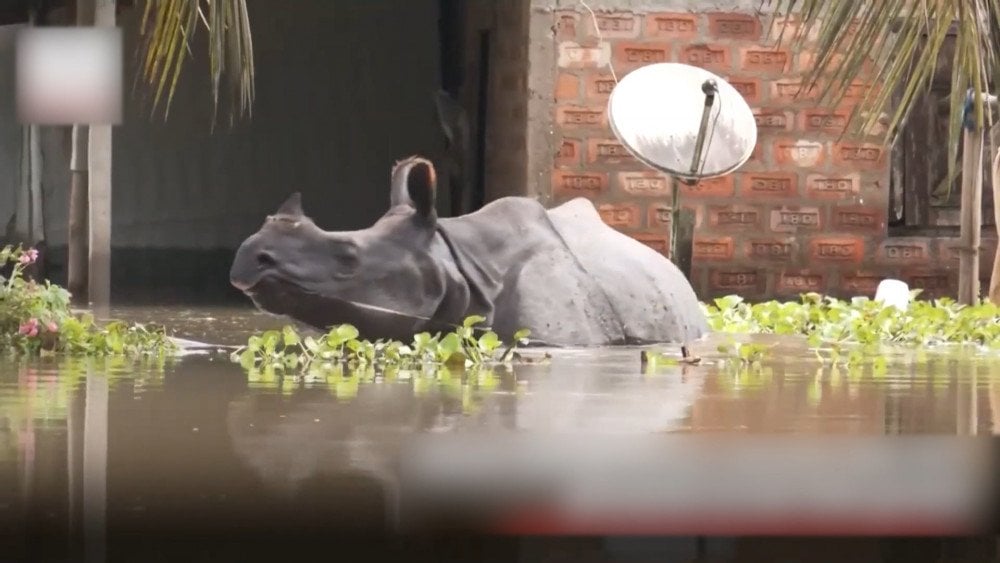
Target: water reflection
{"x":93,"y":452}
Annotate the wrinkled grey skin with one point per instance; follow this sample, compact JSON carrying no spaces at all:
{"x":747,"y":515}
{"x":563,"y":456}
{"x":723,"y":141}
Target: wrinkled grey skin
{"x":562,"y":273}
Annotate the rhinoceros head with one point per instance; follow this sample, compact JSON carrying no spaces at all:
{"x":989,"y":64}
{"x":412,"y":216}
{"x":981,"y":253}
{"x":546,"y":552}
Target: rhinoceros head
{"x":380,"y":279}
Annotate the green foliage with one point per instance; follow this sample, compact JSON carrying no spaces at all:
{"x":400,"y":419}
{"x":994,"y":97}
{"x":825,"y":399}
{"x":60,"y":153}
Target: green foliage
{"x":856,"y":330}
{"x":35,"y":318}
{"x":286,"y":350}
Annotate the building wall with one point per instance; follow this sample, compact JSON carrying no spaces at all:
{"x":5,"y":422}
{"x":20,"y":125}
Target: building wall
{"x":807,"y":212}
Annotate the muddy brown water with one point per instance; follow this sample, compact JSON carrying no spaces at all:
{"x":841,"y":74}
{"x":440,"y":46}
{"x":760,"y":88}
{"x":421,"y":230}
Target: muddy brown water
{"x":112,"y":460}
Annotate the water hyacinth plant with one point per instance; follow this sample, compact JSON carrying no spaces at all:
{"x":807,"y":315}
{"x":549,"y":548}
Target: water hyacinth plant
{"x":286,"y":349}
{"x":35,"y":318}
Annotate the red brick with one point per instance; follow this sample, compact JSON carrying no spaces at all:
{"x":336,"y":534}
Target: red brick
{"x":599,"y":86}
{"x":712,"y":57}
{"x":787,"y":28}
{"x":841,"y":186}
{"x":791,"y":91}
{"x":608,"y":151}
{"x":769,"y":120}
{"x":858,"y":90}
{"x":825,"y":120}
{"x":808,"y":59}
{"x":640,"y":53}
{"x":777,"y":249}
{"x":671,"y":26}
{"x":746,"y":281}
{"x":768,"y":184}
{"x":649,"y":184}
{"x":837,"y":249}
{"x":904,"y":251}
{"x":933,"y":283}
{"x":749,"y":88}
{"x":567,"y":87}
{"x":573,"y":55}
{"x":867,"y":156}
{"x":799,"y":152}
{"x":569,"y":153}
{"x":613,"y":25}
{"x":659,"y":242}
{"x":659,"y":216}
{"x":738,"y":27}
{"x":722,"y":186}
{"x":859,"y":218}
{"x":621,"y":215}
{"x":566,"y":25}
{"x":798,"y":282}
{"x":790,"y":219}
{"x":574,"y":184}
{"x":734,"y":217}
{"x":581,"y":116}
{"x":765,"y":60}
{"x":860,"y":283}
{"x":713,"y":248}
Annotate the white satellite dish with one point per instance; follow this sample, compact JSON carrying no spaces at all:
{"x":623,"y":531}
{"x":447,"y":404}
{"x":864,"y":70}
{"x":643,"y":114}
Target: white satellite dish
{"x":682,"y":120}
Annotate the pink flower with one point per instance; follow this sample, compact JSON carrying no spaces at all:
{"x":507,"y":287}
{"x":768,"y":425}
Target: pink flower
{"x":51,"y":326}
{"x":29,"y":328}
{"x":28,"y":257}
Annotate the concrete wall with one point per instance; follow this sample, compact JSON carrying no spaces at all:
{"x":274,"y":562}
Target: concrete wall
{"x":343,"y":91}
{"x":808,"y":212}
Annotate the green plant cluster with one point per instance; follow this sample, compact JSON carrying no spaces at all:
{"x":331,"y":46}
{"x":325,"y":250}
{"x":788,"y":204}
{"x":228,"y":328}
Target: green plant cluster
{"x":286,"y":349}
{"x":35,"y":318}
{"x":827,"y":321}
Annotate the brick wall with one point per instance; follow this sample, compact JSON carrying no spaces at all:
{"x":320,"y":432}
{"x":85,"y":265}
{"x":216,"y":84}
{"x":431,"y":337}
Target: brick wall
{"x":807,"y":212}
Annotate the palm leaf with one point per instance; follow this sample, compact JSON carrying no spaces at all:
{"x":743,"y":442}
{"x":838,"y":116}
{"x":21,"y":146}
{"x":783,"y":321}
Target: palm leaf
{"x":167,"y":31}
{"x":903,"y":41}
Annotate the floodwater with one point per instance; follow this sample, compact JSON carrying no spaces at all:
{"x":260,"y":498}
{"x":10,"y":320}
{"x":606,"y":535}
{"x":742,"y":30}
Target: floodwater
{"x":196,"y":459}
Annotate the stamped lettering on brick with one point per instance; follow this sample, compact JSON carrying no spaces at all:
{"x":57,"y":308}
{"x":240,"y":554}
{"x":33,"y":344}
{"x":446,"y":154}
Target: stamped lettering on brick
{"x":833,"y":187}
{"x":800,"y":282}
{"x":644,"y":184}
{"x":574,"y":55}
{"x":580,"y":117}
{"x":620,"y":216}
{"x":861,"y":284}
{"x":641,"y":53}
{"x":790,"y":220}
{"x":706,"y":56}
{"x":933,"y":283}
{"x":713,"y":248}
{"x":617,"y":25}
{"x":671,"y":25}
{"x":772,"y":119}
{"x":742,"y":218}
{"x":599,"y":86}
{"x":859,"y":155}
{"x":734,"y":26}
{"x":710,"y":187}
{"x":801,"y":153}
{"x":905,"y":251}
{"x":858,"y":218}
{"x":748,"y":88}
{"x":828,"y":121}
{"x":769,"y":185}
{"x":835,"y":249}
{"x":743,"y":280}
{"x":770,"y":249}
{"x":765,"y":60}
{"x":608,"y":151}
{"x":587,"y":184}
{"x":658,"y":242}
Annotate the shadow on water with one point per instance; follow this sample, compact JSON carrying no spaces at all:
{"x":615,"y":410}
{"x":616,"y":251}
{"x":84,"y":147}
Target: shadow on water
{"x":134,"y":461}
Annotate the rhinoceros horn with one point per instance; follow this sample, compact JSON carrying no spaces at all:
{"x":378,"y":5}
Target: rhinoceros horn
{"x":292,"y":206}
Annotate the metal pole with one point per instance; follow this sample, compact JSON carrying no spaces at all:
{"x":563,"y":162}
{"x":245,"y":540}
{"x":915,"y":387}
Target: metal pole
{"x":710,"y":89}
{"x":971,"y":211}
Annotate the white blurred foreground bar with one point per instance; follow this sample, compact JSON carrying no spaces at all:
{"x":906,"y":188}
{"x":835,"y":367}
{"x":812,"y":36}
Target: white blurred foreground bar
{"x":717,"y":485}
{"x":68,"y":76}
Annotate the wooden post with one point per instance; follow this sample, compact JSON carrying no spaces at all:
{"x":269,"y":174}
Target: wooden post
{"x":994,"y":290}
{"x":77,"y":234}
{"x":99,"y":196}
{"x":972,"y":215}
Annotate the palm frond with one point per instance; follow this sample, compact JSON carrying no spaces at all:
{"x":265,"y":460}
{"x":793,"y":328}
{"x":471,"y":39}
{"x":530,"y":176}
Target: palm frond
{"x":903,"y":41}
{"x":167,"y":31}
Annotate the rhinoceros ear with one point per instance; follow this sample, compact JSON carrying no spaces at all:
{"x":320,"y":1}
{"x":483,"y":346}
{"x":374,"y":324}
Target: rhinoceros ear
{"x":414,"y":183}
{"x":292,"y":206}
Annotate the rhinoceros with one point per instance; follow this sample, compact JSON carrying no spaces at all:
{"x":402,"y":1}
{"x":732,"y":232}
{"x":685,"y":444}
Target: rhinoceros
{"x":562,"y":273}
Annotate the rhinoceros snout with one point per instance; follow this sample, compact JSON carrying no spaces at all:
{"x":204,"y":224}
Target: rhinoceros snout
{"x":250,"y":263}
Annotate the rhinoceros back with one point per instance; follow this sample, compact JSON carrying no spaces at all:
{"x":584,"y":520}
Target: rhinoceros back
{"x":650,"y":295}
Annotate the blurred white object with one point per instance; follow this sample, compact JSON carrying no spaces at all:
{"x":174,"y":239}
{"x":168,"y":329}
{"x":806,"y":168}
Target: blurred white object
{"x":893,"y":292}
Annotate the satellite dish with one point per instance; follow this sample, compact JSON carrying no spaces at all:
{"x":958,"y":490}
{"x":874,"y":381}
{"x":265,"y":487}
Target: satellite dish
{"x":682,"y":120}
